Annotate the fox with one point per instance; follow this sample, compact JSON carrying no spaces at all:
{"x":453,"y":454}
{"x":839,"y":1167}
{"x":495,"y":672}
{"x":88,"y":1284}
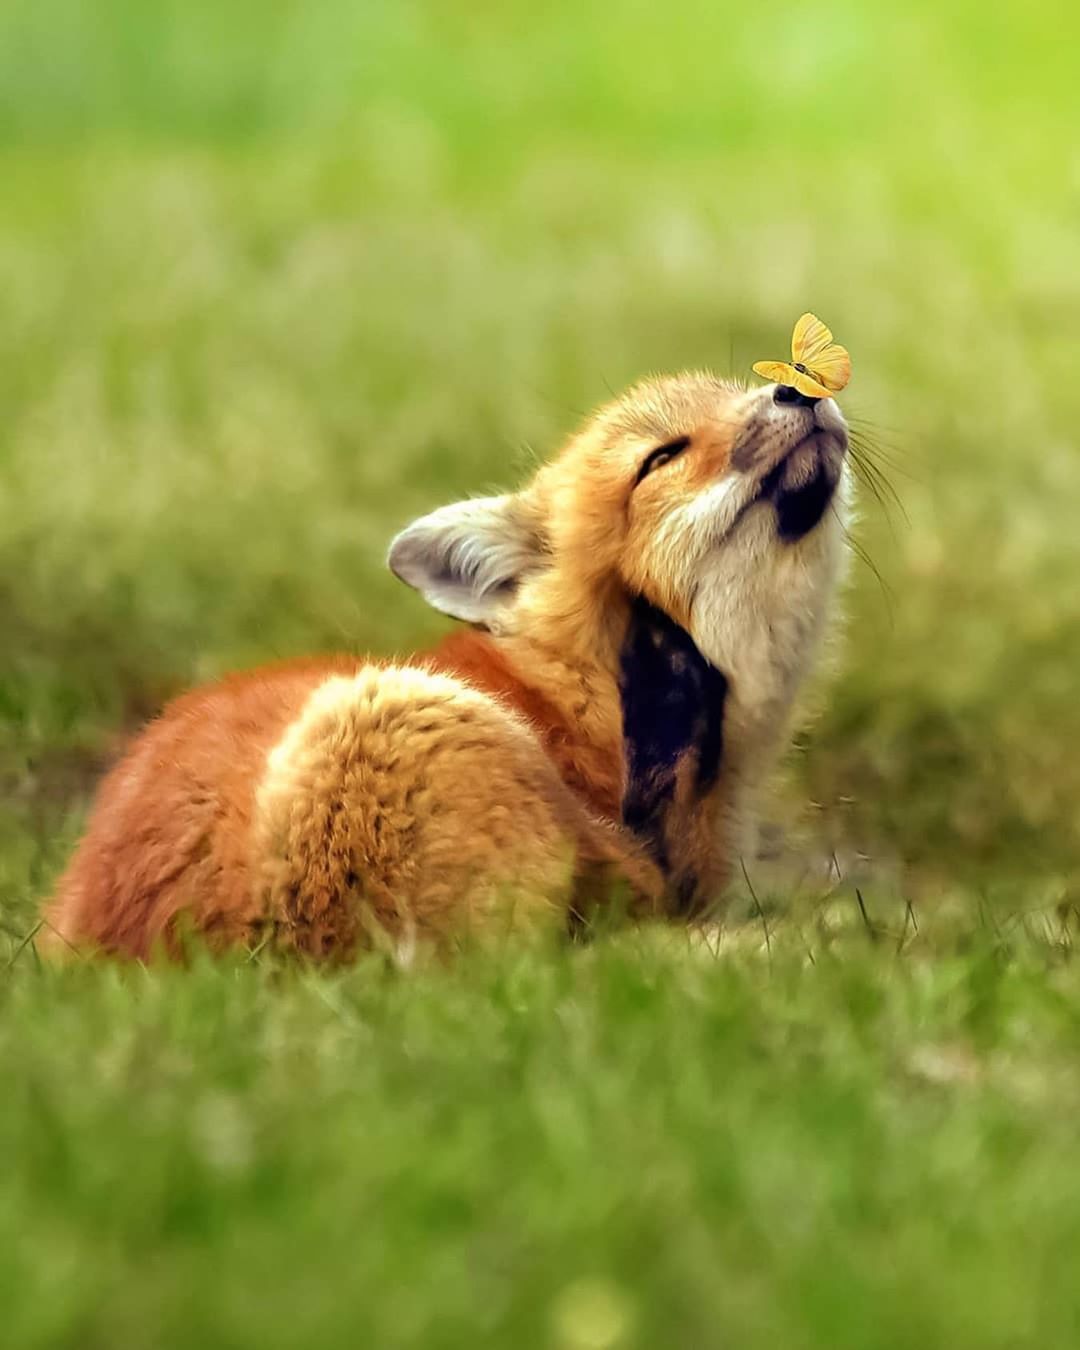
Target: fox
{"x":638,"y":620}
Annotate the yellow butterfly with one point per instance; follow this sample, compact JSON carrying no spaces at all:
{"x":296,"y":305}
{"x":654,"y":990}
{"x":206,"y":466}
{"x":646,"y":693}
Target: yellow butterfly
{"x":819,"y":366}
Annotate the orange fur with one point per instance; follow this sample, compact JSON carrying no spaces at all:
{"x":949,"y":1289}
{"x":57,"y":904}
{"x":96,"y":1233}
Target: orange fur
{"x":477,"y":658}
{"x":174,"y":841}
{"x":169,"y":830}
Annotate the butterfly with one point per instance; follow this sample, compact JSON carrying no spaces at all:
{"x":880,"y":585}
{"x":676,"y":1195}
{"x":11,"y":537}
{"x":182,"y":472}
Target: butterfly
{"x":819,"y":366}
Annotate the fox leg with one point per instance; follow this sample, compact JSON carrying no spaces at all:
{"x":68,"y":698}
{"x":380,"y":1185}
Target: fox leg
{"x":404,"y":803}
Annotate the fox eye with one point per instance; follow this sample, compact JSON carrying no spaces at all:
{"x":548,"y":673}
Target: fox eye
{"x":663,"y":454}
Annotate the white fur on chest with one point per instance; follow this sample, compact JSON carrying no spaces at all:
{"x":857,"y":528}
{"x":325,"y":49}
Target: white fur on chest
{"x":761,"y":607}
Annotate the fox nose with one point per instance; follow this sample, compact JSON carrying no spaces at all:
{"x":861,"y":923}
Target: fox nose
{"x":784,"y":393}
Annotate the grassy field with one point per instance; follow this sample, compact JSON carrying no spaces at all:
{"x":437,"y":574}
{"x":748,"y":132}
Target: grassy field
{"x":273,"y":279}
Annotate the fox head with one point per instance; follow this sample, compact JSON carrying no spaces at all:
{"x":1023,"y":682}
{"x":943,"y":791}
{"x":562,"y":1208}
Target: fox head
{"x":664,"y":581}
{"x":722,"y":508}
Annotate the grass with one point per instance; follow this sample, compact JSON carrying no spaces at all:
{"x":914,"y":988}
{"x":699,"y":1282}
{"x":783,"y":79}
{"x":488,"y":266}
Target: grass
{"x":273,"y":279}
{"x":633,"y":1145}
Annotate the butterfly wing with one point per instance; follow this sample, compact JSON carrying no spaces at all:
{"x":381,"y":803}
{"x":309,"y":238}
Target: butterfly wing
{"x":832,"y":368}
{"x":809,"y":339}
{"x":828,"y":363}
{"x":808,"y":385}
{"x":782,"y":373}
{"x":779,"y":371}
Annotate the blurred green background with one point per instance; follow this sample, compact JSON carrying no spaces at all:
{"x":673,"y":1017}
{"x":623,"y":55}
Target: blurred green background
{"x":274,"y":277}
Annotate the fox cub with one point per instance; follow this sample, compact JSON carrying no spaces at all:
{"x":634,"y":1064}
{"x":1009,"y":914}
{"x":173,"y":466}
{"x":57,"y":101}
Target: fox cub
{"x":641,"y":616}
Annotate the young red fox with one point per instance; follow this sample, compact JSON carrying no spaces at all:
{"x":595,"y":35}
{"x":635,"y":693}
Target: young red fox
{"x":644,"y":612}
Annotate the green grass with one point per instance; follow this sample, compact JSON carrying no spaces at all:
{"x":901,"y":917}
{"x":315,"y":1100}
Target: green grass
{"x":274,"y":278}
{"x":636,"y":1145}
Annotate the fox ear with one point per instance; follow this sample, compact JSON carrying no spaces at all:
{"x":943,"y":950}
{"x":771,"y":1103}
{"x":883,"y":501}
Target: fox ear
{"x":468,"y":559}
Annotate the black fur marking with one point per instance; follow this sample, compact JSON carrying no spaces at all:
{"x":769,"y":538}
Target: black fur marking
{"x":686,"y":894}
{"x":799,"y":509}
{"x":798,"y":512}
{"x":672,"y":706}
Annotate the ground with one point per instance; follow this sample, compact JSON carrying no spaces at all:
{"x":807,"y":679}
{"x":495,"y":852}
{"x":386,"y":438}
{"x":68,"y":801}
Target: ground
{"x":273,"y":279}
